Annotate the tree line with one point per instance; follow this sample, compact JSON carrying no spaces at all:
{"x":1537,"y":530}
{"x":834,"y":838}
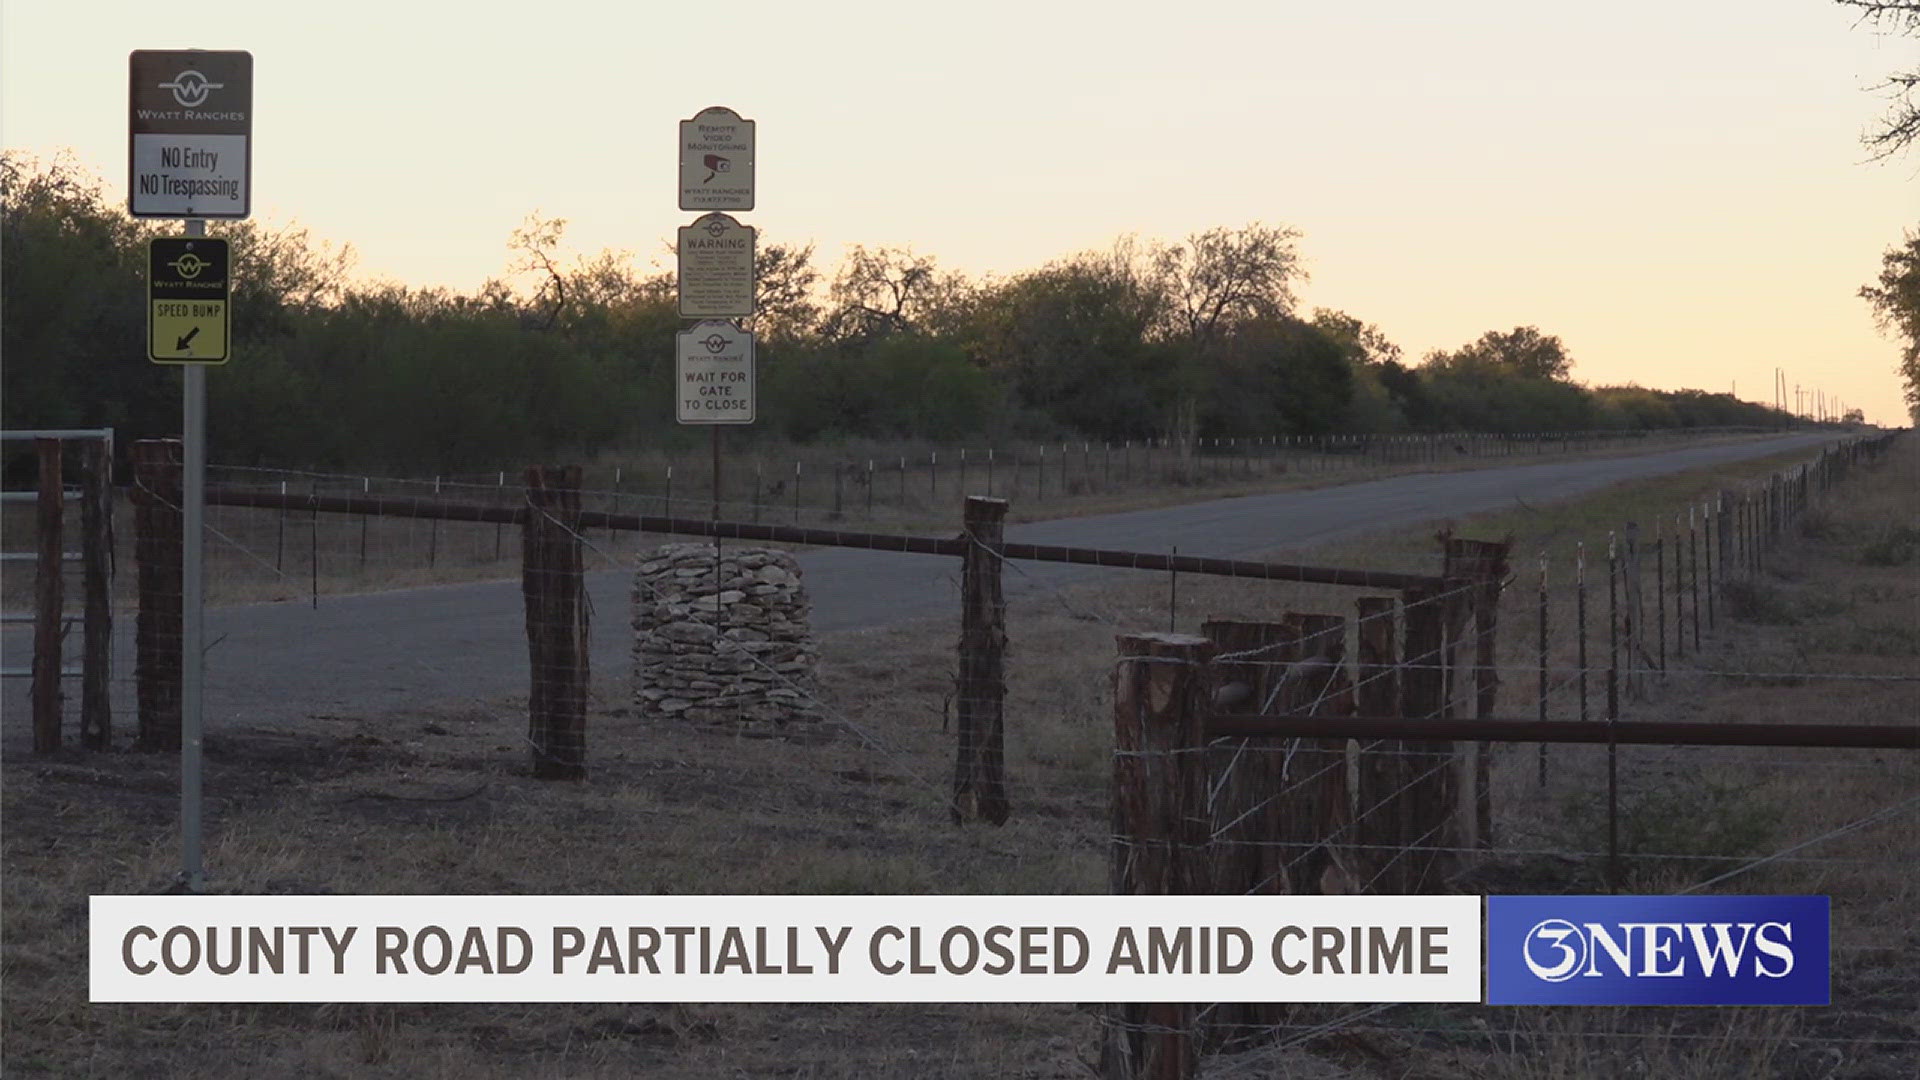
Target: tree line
{"x":1203,"y":337}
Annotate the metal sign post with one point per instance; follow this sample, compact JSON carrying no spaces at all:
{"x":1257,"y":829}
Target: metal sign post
{"x":190,"y":155}
{"x":715,"y":279}
{"x":193,"y":429}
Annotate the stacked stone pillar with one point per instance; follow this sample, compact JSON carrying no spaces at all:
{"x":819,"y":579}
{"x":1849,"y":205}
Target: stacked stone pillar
{"x":731,"y":648}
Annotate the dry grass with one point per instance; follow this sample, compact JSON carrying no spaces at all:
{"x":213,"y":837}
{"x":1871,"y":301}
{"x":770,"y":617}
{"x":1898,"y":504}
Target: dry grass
{"x":441,"y":803}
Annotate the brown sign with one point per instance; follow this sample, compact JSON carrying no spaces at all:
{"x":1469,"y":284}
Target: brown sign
{"x":189,"y":134}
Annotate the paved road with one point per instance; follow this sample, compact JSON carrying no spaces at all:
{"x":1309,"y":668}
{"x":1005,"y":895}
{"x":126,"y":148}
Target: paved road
{"x":443,"y":645}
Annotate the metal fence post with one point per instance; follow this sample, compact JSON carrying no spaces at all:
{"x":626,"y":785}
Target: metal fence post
{"x":49,"y":600}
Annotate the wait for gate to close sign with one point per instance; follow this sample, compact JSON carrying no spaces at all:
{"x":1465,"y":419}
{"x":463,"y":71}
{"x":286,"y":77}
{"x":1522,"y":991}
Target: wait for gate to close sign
{"x":190,"y":126}
{"x":187,"y":317}
{"x":713,"y":374}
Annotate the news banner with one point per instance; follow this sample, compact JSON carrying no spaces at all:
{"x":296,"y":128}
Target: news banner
{"x":1501,"y":950}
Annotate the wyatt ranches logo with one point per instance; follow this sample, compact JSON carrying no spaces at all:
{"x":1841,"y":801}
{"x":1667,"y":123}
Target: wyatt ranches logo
{"x":190,"y":88}
{"x":189,"y":265}
{"x":716,"y":343}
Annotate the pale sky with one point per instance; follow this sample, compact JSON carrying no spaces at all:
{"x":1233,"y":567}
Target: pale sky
{"x":1676,"y":189}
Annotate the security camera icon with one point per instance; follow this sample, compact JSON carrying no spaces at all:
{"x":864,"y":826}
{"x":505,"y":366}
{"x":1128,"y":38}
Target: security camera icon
{"x":716,"y":164}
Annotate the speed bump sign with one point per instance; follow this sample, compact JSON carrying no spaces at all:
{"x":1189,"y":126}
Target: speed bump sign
{"x":187,"y":317}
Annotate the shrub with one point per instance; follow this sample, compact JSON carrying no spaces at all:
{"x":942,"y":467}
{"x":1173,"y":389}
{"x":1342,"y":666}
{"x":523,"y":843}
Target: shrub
{"x":1691,"y":816}
{"x":1897,"y":545}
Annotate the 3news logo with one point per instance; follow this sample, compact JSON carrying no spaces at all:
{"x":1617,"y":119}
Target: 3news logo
{"x":1657,"y":950}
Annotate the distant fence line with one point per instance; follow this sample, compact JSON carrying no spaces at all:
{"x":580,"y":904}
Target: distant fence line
{"x":838,"y":483}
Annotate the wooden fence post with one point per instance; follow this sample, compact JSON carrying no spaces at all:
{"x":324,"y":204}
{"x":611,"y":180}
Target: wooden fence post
{"x":1383,"y":819}
{"x":1430,"y":785}
{"x":158,"y":534}
{"x":1480,"y":566}
{"x":1245,"y":812}
{"x":96,"y":555}
{"x":1245,"y":774}
{"x":557,"y":629}
{"x":1314,"y":807}
{"x":979,"y":771}
{"x":1161,"y":695}
{"x":49,"y":600}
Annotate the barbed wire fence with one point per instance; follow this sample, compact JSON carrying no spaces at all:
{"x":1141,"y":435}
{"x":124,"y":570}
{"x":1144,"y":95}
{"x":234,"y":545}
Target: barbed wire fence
{"x":256,"y":554}
{"x":1309,"y":813}
{"x":1645,"y":805}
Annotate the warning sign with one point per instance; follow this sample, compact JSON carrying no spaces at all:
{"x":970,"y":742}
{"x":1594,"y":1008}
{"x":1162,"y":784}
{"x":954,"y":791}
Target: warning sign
{"x":715,"y":269}
{"x":187,"y":317}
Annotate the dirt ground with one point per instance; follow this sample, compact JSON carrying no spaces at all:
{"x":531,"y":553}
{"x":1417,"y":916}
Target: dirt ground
{"x":442,"y":802}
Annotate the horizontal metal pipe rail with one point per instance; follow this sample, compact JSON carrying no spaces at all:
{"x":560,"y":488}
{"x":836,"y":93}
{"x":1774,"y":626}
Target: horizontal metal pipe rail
{"x":422,"y":507}
{"x":374,"y":505}
{"x":57,"y":433}
{"x":1622,"y":732}
{"x":1242,"y":568}
{"x":67,"y":494}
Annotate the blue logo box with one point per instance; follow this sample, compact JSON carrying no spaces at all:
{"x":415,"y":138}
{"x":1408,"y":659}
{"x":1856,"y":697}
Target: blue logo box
{"x":1658,"y":950}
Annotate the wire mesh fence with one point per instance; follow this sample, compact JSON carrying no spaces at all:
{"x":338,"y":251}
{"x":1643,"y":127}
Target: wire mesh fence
{"x":1613,"y":630}
{"x":1584,"y":648}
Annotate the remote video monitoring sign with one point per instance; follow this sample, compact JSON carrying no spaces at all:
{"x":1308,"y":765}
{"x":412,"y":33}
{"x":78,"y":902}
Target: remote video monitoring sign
{"x":716,"y":161}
